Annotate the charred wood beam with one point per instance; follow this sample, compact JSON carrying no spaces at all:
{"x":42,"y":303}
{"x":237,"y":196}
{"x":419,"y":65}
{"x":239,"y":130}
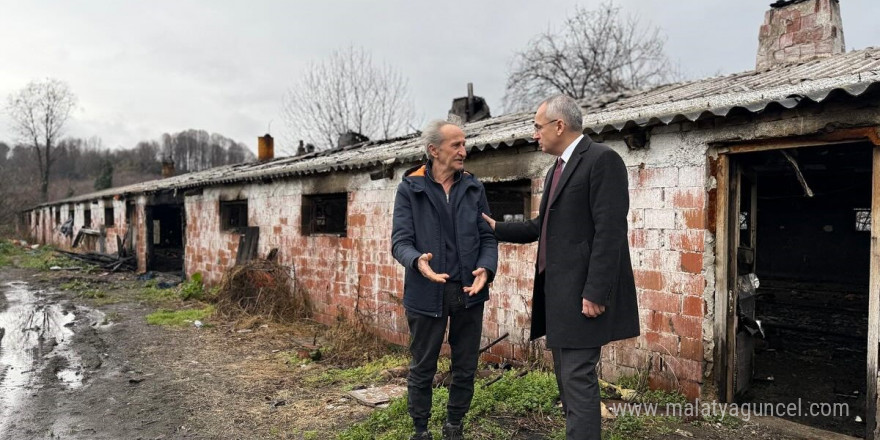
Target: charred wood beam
{"x":807,"y":191}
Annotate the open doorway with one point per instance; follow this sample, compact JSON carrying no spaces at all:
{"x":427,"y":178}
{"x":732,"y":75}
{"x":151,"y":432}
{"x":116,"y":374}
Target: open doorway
{"x":800,"y":219}
{"x":165,"y":238}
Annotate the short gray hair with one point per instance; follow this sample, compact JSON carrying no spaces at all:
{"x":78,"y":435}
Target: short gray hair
{"x":431,"y":133}
{"x":567,"y":109}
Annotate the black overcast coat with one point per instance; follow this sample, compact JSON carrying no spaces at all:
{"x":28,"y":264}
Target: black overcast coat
{"x":587,"y":252}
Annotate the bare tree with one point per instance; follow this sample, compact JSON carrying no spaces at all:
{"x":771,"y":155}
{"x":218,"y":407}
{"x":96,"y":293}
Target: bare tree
{"x":597,"y":51}
{"x":347,"y":92}
{"x":39,"y":112}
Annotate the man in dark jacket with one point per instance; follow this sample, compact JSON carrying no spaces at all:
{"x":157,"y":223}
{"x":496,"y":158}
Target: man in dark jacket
{"x":450,"y":256}
{"x":584,"y":292}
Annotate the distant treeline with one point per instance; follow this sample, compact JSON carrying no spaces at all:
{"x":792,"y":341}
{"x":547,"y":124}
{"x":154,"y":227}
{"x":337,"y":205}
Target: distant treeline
{"x":81,"y":166}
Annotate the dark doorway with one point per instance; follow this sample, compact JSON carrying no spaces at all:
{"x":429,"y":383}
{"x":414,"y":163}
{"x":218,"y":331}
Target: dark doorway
{"x":811,"y":257}
{"x":165,"y":240}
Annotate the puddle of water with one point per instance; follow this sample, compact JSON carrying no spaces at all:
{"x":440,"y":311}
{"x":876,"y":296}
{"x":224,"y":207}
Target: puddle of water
{"x":35,"y":329}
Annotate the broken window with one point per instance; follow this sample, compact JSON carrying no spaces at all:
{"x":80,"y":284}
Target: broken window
{"x":70,"y":213}
{"x":325,"y":214}
{"x":510,"y":201}
{"x":58,"y":215}
{"x":38,"y":218}
{"x":863,"y":220}
{"x":87,"y":218}
{"x":744,"y":221}
{"x":233,"y":215}
{"x":108,"y":216}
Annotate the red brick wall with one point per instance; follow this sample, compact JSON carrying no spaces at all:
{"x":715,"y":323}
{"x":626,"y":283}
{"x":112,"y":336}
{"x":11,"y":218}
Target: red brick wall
{"x":667,"y":221}
{"x":340,"y":274}
{"x":667,"y":240}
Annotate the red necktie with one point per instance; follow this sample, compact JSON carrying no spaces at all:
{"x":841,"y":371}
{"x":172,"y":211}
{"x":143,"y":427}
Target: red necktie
{"x":542,"y":242}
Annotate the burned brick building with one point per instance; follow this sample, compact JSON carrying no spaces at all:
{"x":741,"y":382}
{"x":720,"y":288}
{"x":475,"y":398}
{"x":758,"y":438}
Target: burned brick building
{"x":752,"y":198}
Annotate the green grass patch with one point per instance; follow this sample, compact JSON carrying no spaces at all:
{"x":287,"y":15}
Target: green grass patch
{"x":42,"y":259}
{"x":628,"y":427}
{"x":661,"y":397}
{"x":152,"y":293}
{"x":78,"y":285}
{"x":364,"y":374}
{"x":515,"y":395}
{"x":92,"y":294}
{"x":7,"y":251}
{"x":192,"y":289}
{"x":182,"y":317}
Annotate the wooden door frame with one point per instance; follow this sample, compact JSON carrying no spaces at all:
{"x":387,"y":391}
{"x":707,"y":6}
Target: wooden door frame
{"x":724,"y":323}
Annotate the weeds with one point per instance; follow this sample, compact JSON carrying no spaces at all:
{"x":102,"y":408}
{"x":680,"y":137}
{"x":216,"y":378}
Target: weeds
{"x":42,"y":258}
{"x":192,"y":288}
{"x":152,"y":293}
{"x":77,"y":285}
{"x":92,"y":294}
{"x":367,"y":373}
{"x":723,"y":419}
{"x":515,"y":395}
{"x":183,"y":317}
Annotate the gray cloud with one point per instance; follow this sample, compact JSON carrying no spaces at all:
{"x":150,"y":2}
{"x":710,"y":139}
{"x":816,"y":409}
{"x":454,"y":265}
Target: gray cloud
{"x":147,"y":68}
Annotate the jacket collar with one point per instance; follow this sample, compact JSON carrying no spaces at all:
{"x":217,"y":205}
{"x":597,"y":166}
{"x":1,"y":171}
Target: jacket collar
{"x":418,"y":176}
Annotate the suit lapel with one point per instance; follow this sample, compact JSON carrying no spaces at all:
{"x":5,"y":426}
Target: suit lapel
{"x":572,"y":164}
{"x":545,"y":198}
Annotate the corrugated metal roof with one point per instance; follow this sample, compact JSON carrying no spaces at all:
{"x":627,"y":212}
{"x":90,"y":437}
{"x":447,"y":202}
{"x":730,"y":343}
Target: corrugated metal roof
{"x":852,"y":73}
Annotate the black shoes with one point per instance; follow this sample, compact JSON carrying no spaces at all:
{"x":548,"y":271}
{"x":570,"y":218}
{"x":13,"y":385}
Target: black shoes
{"x":452,"y":432}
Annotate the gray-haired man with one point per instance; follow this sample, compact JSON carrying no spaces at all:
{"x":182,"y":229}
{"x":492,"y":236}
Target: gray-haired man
{"x":450,"y":256}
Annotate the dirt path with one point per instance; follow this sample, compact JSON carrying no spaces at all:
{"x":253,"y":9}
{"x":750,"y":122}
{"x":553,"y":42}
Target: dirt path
{"x":72,"y":373}
{"x":74,"y":369}
{"x":81,"y":369}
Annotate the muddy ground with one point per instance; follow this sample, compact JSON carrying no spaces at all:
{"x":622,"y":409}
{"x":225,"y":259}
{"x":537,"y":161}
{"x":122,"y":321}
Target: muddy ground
{"x":99,"y":371}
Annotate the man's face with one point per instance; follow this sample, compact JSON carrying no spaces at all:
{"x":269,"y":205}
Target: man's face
{"x":546,"y":131}
{"x":450,"y":154}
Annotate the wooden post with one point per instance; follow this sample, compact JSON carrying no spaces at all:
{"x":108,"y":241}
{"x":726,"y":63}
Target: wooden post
{"x":733,"y":209}
{"x":871,"y":403}
{"x":722,"y":368}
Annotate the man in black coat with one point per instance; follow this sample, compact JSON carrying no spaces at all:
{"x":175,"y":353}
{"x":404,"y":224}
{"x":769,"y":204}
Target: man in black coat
{"x":584,"y":293}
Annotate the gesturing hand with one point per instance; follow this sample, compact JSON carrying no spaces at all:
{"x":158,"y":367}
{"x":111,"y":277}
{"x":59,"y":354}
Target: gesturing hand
{"x":480,"y":278}
{"x":591,"y":309}
{"x":489,"y":220}
{"x":429,"y":273}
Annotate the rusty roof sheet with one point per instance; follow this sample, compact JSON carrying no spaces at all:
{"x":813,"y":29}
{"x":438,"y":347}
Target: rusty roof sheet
{"x":851,"y":73}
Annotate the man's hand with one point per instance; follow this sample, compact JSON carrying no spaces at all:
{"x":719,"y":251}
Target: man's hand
{"x":489,"y":220}
{"x":429,"y":273}
{"x":480,"y":278}
{"x":591,"y":309}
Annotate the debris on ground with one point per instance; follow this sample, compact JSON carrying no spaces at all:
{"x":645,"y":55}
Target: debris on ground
{"x":104,"y":261}
{"x":376,"y":396}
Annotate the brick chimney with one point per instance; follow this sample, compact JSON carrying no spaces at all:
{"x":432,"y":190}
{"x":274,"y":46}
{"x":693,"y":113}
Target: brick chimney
{"x":167,"y":167}
{"x":265,"y":148}
{"x":795,"y":31}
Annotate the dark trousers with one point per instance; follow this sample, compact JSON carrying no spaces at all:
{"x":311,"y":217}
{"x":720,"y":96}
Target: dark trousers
{"x":426,"y":338}
{"x":579,"y":390}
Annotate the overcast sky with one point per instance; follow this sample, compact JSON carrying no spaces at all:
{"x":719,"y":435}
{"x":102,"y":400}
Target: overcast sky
{"x":141,"y":69}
